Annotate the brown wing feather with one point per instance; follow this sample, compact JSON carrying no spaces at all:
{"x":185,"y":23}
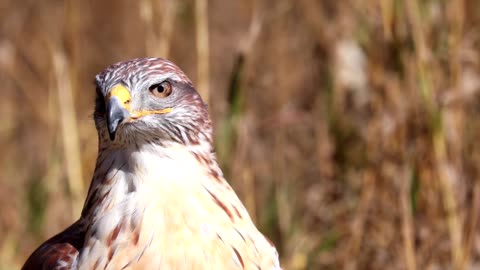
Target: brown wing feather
{"x":59,"y":252}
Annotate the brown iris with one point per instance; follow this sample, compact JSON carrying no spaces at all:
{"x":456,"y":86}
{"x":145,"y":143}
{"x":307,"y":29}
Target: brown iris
{"x":161,"y":90}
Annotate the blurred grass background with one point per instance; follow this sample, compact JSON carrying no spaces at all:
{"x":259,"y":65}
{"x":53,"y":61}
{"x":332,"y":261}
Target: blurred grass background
{"x":348,"y":128}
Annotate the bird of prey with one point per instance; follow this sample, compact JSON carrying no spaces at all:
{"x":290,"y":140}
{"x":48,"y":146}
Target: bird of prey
{"x":158,"y":199}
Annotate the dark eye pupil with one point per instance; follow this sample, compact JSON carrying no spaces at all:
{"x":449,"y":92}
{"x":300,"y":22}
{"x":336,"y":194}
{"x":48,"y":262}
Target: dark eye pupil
{"x":161,"y":90}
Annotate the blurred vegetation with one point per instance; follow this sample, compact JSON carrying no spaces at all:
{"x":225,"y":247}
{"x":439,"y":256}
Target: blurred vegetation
{"x":348,"y":128}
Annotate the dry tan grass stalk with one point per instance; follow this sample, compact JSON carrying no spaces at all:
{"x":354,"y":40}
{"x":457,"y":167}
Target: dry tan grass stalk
{"x":282,"y":187}
{"x":446,"y":178}
{"x":357,"y":229}
{"x":158,"y":41}
{"x":7,"y":251}
{"x":472,"y":228}
{"x":387,"y":7}
{"x":408,"y":229}
{"x":317,"y":21}
{"x":21,"y":74}
{"x":457,"y":10}
{"x":255,"y":27}
{"x":168,"y":22}
{"x":203,"y":54}
{"x":456,"y":144}
{"x":242,"y":167}
{"x":244,"y":122}
{"x":147,"y":14}
{"x":69,"y":127}
{"x":421,"y":51}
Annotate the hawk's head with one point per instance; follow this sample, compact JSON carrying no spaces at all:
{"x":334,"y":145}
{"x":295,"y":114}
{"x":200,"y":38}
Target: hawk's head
{"x":149,"y":100}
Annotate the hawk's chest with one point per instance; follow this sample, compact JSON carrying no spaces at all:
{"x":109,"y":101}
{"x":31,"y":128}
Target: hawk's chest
{"x":154,"y":199}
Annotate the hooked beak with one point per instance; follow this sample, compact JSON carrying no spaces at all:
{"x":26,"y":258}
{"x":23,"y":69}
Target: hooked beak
{"x":118,"y":111}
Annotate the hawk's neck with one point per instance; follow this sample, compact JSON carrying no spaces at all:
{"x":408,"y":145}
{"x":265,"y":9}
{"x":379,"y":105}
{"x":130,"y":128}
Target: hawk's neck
{"x":121,"y":173}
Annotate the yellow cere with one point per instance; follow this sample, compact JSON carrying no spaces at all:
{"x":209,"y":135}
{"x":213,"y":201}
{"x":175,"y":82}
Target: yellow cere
{"x":121,"y":92}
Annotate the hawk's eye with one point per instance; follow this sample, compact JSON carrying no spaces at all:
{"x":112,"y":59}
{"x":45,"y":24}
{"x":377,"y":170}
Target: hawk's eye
{"x":161,"y":90}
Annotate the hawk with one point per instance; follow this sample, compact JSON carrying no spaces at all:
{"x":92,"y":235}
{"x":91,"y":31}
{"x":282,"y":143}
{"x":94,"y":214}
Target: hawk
{"x":158,"y":199}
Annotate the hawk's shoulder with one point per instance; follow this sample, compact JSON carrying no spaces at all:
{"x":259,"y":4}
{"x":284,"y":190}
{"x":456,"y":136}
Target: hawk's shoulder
{"x":59,"y":252}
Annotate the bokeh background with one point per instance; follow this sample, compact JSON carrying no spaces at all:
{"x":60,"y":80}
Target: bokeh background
{"x":349,"y":128}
